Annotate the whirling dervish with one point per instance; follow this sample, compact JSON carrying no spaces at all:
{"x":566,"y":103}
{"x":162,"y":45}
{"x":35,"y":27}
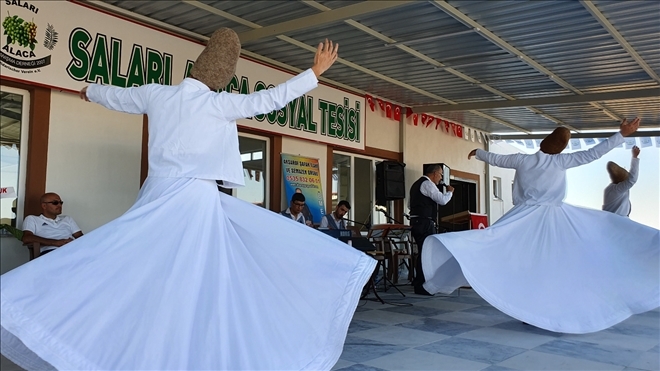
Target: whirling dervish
{"x":189,"y":278}
{"x":547,"y":263}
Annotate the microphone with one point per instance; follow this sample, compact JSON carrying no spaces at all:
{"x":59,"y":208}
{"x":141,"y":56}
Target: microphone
{"x":380,"y":208}
{"x":407,"y":216}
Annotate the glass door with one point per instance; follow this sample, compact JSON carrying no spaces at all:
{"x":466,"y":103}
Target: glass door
{"x":354,"y":180}
{"x":14,"y":115}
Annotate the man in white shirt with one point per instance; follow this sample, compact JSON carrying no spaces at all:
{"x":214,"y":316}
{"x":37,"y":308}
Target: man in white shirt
{"x":50,"y":229}
{"x":423,"y":204}
{"x":335,"y":220}
{"x":616,"y":198}
{"x":295,"y":209}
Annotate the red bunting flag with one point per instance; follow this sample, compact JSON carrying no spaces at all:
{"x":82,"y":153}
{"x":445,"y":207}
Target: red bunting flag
{"x":459,"y":131}
{"x":370,"y":102}
{"x":397,"y":113}
{"x":408,"y":112}
{"x":447,"y":127}
{"x":381,"y":104}
{"x":425,"y":118}
{"x":388,"y":109}
{"x":438,"y":122}
{"x":415,"y":118}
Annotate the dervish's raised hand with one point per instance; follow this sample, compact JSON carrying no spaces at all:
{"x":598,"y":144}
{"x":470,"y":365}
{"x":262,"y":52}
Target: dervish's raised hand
{"x":83,"y":94}
{"x":472,"y":153}
{"x":326,"y":55}
{"x":635,"y":151}
{"x":628,"y":128}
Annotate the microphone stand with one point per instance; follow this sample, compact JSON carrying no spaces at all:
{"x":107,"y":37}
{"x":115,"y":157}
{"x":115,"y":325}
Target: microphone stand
{"x":389,"y":217}
{"x":367,"y":225}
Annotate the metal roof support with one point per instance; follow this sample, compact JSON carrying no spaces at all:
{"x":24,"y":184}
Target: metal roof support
{"x":619,"y":38}
{"x":545,"y":101}
{"x":315,"y":20}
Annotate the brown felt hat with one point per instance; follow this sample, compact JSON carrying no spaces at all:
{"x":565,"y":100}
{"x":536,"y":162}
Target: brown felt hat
{"x":556,"y":141}
{"x":617,"y":173}
{"x":216,"y":65}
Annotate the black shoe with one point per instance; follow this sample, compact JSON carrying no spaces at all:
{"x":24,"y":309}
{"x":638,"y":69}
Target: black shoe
{"x":420,"y":290}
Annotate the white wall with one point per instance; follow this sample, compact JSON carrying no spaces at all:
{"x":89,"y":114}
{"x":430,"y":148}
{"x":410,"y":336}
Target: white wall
{"x":426,"y":145}
{"x":294,"y":146}
{"x":93,"y":164}
{"x":93,"y":159}
{"x":381,"y":131}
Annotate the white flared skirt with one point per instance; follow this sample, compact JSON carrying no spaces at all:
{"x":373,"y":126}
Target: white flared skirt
{"x":562,"y":268}
{"x":187,"y":279}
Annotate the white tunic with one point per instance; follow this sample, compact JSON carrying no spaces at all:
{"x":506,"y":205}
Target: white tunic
{"x":189,"y":124}
{"x":188,"y":278}
{"x":616,"y":198}
{"x":547,"y":263}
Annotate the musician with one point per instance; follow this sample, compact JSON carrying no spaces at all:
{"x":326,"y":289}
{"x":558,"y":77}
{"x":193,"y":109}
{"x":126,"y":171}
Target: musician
{"x":335,"y":220}
{"x":423,"y":204}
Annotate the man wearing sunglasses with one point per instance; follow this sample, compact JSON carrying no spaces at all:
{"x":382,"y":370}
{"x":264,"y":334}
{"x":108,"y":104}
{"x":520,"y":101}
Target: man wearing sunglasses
{"x":50,"y":229}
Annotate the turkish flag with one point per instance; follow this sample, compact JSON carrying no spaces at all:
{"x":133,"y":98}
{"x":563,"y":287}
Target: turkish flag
{"x":438,"y":122}
{"x":397,"y":113}
{"x":381,"y":104}
{"x":370,"y":101}
{"x":415,"y":118}
{"x":388,"y":109}
{"x":425,"y":117}
{"x":478,"y":221}
{"x":459,"y":131}
{"x":408,"y":111}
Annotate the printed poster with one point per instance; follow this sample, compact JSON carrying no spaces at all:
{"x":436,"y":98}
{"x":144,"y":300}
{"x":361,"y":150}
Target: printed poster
{"x":301,"y":175}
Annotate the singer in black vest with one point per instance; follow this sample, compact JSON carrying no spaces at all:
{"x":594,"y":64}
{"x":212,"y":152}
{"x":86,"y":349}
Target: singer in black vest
{"x":423,"y":204}
{"x":335,"y":220}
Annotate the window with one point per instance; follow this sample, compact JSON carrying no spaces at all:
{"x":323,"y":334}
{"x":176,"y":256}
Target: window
{"x":255,"y":169}
{"x":14,"y":105}
{"x":497,"y":188}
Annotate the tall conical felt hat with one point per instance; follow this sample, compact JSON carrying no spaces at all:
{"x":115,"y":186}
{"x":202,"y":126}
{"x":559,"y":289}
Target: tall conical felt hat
{"x":556,"y":141}
{"x":617,"y":173}
{"x":216,"y":65}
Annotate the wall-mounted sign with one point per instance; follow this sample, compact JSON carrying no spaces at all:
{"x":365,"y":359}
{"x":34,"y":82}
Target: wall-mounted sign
{"x":68,"y":45}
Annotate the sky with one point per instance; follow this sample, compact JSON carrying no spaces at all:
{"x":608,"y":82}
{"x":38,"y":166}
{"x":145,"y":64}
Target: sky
{"x":586,"y":183}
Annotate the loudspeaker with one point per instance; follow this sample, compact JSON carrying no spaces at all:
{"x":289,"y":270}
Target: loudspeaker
{"x":390,"y":182}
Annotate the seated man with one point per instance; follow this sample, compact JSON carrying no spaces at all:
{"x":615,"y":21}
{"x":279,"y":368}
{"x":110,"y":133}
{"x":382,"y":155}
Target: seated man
{"x":50,"y":229}
{"x":295,"y":209}
{"x":307,"y":213}
{"x":335,"y":220}
{"x":616,"y":198}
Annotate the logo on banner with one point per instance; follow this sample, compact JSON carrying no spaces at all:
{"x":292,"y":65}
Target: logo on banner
{"x":25,"y":48}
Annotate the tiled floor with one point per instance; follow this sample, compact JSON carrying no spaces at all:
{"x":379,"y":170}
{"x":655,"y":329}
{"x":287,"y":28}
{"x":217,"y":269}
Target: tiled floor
{"x":465,"y":333}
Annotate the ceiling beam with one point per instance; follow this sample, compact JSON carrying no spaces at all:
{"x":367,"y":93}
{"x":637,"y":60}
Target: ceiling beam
{"x":603,"y":134}
{"x":319,"y":19}
{"x":564,"y":99}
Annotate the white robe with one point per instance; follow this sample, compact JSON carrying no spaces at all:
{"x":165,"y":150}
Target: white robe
{"x":553,"y":265}
{"x":188,"y":278}
{"x":616,"y":197}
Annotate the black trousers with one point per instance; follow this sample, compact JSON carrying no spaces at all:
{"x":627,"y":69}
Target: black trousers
{"x":421,"y":228}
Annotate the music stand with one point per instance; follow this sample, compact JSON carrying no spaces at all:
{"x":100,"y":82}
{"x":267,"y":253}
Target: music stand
{"x":378,"y":234}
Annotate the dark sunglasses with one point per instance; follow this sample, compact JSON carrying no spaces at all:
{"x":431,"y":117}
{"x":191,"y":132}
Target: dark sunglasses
{"x":54,"y":202}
